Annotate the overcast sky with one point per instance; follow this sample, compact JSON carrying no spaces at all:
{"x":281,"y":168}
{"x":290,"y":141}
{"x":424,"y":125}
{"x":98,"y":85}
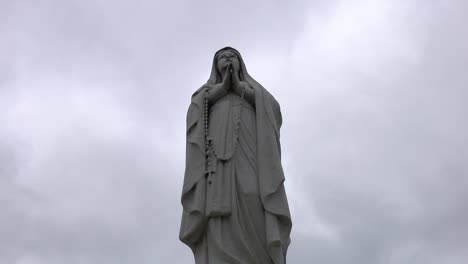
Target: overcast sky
{"x":93,"y":97}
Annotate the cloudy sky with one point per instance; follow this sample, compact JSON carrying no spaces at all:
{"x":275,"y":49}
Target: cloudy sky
{"x":93,"y":97}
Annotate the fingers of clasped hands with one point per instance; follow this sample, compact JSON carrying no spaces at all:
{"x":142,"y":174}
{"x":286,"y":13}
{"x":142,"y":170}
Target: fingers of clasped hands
{"x":231,"y":80}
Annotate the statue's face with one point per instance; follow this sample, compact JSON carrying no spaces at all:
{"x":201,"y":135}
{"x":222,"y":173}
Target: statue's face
{"x":225,"y":58}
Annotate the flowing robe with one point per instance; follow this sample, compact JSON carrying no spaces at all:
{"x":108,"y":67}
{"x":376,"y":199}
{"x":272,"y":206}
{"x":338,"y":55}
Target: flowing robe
{"x":239,"y":215}
{"x":238,"y":237}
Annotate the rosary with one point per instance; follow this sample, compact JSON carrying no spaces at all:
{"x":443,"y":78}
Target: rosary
{"x":209,"y":144}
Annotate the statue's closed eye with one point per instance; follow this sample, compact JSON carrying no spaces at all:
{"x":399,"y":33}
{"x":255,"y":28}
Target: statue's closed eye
{"x":226,"y":56}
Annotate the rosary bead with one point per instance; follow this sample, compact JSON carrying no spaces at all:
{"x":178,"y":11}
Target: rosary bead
{"x":209,"y":148}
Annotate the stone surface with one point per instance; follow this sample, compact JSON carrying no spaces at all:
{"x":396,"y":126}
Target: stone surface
{"x":235,"y":208}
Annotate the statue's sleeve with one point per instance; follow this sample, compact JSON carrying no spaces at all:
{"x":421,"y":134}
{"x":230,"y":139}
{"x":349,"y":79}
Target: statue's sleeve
{"x":277,"y":113}
{"x":194,"y":189}
{"x":191,"y":117}
{"x":271,"y":176}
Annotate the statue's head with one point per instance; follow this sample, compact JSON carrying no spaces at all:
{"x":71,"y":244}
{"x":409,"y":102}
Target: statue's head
{"x":225,"y":57}
{"x":222,"y":59}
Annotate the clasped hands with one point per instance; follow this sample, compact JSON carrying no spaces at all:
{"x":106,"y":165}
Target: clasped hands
{"x":231,"y":80}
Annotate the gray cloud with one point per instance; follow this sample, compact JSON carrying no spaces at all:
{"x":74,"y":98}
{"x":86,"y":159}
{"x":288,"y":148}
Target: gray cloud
{"x":94,"y":95}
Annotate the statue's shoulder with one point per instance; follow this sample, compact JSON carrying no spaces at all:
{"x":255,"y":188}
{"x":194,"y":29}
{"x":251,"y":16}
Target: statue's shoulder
{"x":275,"y":108}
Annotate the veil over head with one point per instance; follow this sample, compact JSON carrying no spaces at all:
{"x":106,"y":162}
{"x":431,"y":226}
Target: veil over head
{"x":215,"y":76}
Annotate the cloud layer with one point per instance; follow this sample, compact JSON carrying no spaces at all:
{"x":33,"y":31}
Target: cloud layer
{"x":94,"y":96}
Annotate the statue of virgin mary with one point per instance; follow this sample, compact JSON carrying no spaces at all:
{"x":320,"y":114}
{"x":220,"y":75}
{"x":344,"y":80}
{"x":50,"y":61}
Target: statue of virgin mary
{"x":235,"y":208}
